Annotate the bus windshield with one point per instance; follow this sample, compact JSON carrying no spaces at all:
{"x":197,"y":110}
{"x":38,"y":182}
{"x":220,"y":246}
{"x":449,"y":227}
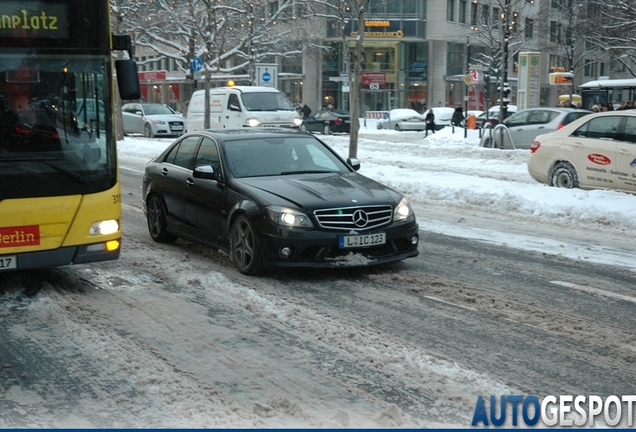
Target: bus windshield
{"x":54,"y":125}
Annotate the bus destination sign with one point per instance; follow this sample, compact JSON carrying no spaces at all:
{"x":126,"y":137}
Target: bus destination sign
{"x":33,"y":20}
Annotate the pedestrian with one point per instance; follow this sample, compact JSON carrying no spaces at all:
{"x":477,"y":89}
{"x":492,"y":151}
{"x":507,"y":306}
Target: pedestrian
{"x":430,"y":122}
{"x":306,"y":111}
{"x":458,"y":117}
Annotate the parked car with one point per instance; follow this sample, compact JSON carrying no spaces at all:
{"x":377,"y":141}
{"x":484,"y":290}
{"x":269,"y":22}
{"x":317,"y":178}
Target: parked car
{"x":152,"y":119}
{"x":597,"y":151}
{"x":521,"y":128}
{"x":274,"y":197}
{"x":327,"y":121}
{"x":443,"y":116}
{"x":403,"y":119}
{"x":491,"y":117}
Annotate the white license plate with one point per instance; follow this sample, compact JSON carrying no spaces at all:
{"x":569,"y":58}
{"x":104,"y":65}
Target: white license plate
{"x":177,"y":128}
{"x":365,"y":240}
{"x":8,"y":262}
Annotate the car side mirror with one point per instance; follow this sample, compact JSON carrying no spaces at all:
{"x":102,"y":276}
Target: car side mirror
{"x":205,"y":172}
{"x":354,"y":163}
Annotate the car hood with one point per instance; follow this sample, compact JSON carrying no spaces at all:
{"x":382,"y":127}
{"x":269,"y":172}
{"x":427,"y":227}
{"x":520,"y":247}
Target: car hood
{"x":166,"y":117}
{"x":313,"y":191}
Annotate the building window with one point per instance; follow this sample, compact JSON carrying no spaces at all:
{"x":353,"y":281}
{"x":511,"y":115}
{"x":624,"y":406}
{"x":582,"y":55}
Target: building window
{"x":553,"y":31}
{"x":590,"y":68}
{"x":601,"y":69}
{"x":473,"y":14}
{"x":463,"y":4}
{"x":485,"y":12}
{"x":529,"y":28}
{"x":450,"y":10}
{"x":495,"y":18}
{"x":273,"y":8}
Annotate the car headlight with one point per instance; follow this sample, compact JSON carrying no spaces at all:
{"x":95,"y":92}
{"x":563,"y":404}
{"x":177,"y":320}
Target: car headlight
{"x":161,"y":122}
{"x":253,"y":122}
{"x":289,"y":217}
{"x":402,"y":210}
{"x":297,"y":121}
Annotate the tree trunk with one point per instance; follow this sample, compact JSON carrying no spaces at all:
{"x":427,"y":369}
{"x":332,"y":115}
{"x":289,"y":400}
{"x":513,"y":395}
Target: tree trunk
{"x":355,"y":83}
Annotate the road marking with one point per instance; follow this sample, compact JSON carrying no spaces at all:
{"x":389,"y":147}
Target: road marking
{"x":124,"y":168}
{"x":595,"y":291}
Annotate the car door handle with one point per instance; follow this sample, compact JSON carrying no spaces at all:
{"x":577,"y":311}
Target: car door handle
{"x":623,"y":151}
{"x":164,"y":172}
{"x":189,"y":182}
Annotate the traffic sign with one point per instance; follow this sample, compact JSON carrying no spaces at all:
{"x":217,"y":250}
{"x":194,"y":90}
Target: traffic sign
{"x":474,"y":75}
{"x":267,"y":76}
{"x":197,"y":64}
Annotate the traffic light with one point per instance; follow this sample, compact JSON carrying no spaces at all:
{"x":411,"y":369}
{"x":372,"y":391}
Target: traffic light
{"x":487,"y":86}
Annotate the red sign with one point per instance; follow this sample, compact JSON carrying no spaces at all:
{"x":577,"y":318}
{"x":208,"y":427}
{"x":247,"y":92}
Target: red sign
{"x":373,"y":78}
{"x":599,"y":159}
{"x":20,"y":236}
{"x":152,"y":75}
{"x":474,"y":75}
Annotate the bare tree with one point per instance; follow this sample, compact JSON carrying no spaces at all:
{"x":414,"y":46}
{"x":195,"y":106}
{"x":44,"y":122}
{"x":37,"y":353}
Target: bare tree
{"x":612,"y":30}
{"x":344,"y":13}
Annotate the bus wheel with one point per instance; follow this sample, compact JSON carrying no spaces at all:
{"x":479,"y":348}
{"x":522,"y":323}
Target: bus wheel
{"x":157,"y":222}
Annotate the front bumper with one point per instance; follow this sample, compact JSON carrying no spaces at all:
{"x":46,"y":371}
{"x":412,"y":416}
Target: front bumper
{"x":315,"y":248}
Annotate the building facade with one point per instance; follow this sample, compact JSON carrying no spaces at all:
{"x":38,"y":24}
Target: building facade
{"x":423,"y":53}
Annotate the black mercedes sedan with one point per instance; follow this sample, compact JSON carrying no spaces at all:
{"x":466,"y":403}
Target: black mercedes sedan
{"x":327,"y":121}
{"x":274,"y":198}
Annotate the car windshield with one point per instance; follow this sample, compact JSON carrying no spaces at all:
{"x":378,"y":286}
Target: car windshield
{"x":275,"y":156}
{"x":157,"y":109}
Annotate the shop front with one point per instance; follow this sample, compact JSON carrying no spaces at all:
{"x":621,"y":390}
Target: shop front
{"x":394,"y":68}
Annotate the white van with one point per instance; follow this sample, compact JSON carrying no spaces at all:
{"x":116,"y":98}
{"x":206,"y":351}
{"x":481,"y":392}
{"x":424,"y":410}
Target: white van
{"x":242,"y":106}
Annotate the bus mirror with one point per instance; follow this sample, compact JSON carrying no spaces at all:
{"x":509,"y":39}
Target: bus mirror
{"x":127,"y":79}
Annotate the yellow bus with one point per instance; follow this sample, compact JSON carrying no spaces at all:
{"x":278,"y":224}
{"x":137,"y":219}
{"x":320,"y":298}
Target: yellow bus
{"x":59,"y":184}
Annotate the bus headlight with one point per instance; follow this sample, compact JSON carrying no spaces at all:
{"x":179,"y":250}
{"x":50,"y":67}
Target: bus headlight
{"x":104,"y":227}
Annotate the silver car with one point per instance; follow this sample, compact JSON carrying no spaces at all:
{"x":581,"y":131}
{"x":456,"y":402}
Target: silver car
{"x":520,"y":129}
{"x":152,"y":119}
{"x":403,"y":119}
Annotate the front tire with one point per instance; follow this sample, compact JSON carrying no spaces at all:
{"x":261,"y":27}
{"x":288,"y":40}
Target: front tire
{"x":564,"y":175}
{"x":157,"y":221}
{"x":148,"y":131}
{"x":326,"y":130}
{"x":303,"y":127}
{"x":245,"y":249}
{"x":398,"y":128}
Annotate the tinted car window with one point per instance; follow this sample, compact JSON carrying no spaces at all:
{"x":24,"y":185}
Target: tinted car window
{"x":602,"y":127}
{"x":184,"y":152}
{"x":573,"y":116}
{"x":208,"y":154}
{"x":518,"y":119}
{"x":630,"y":130}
